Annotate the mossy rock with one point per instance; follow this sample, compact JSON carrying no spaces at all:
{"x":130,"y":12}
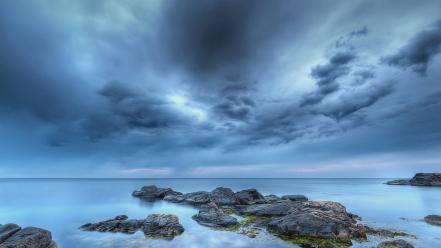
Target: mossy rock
{"x":317,"y":242}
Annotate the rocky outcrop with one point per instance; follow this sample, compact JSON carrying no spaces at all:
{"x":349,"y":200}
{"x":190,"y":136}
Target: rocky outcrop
{"x":420,"y":179}
{"x":386,"y":233}
{"x":249,"y":196}
{"x":433,"y":219}
{"x":152,"y":192}
{"x":12,"y":236}
{"x":398,"y":243}
{"x":163,"y":225}
{"x":318,"y":219}
{"x":293,"y":217}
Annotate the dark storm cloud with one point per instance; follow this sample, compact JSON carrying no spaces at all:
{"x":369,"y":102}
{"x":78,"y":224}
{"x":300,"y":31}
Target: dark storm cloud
{"x":419,"y":51}
{"x":327,"y":75}
{"x":353,"y":101}
{"x":30,"y":81}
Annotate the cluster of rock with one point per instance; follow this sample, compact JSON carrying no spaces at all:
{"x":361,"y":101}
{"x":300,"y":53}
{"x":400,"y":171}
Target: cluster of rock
{"x":287,"y":216}
{"x":155,"y":225}
{"x":420,"y":179}
{"x":398,"y":243}
{"x":13,"y":236}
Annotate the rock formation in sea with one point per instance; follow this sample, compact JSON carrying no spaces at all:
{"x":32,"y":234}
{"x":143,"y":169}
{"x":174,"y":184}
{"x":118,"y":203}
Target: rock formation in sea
{"x":155,"y":225}
{"x":420,"y":179}
{"x":398,"y":243}
{"x":292,"y":217}
{"x":433,"y":219}
{"x":13,"y":236}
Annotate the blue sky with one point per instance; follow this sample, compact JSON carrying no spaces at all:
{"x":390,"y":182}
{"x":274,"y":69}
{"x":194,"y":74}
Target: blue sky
{"x":220,"y":88}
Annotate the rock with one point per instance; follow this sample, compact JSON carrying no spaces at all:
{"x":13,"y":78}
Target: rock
{"x":399,"y":182}
{"x":420,"y":179}
{"x":398,"y":243}
{"x":7,"y":231}
{"x":175,"y":197}
{"x":300,"y":198}
{"x":271,"y":198}
{"x":29,"y":237}
{"x":249,"y":196}
{"x":223,"y":196}
{"x":164,"y":225}
{"x":318,"y":219}
{"x":388,"y":233}
{"x":118,"y":224}
{"x":197,"y":198}
{"x":269,"y":209}
{"x":426,"y":179}
{"x":433,"y":219}
{"x":215,"y":219}
{"x":152,"y":192}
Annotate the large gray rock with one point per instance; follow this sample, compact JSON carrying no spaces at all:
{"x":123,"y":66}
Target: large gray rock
{"x":158,"y":225}
{"x":152,"y":192}
{"x":197,"y":198}
{"x":223,"y":196}
{"x":271,"y":198}
{"x":318,"y":219}
{"x":420,"y":179}
{"x":426,"y":179}
{"x":164,"y":225}
{"x":249,"y":196}
{"x":118,"y":224}
{"x":7,"y":231}
{"x":398,"y":243}
{"x":29,"y":237}
{"x":433,"y":219}
{"x":269,"y":209}
{"x":215,"y":219}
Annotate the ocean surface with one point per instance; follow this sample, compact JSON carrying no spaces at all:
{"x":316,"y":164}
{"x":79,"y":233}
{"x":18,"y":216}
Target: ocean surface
{"x":62,"y":205}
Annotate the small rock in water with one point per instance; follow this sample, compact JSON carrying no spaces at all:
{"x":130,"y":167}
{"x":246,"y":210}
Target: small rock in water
{"x":164,"y":225}
{"x":215,"y":219}
{"x":223,"y":196}
{"x":433,"y":219}
{"x":398,"y":243}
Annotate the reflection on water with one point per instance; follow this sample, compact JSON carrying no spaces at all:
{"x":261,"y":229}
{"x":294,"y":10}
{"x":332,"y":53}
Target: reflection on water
{"x":62,"y":205}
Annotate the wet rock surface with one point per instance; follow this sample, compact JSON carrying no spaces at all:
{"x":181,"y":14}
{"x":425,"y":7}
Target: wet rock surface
{"x":13,"y":236}
{"x":386,"y":233}
{"x":398,"y":243}
{"x":161,"y":225}
{"x":300,"y":198}
{"x":433,"y":219}
{"x":420,"y":179}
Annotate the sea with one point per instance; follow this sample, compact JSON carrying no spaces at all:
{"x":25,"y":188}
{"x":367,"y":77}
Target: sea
{"x":63,"y":205}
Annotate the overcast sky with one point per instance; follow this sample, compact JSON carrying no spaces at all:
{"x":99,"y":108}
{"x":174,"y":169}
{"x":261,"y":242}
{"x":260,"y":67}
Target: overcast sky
{"x":227,"y":88}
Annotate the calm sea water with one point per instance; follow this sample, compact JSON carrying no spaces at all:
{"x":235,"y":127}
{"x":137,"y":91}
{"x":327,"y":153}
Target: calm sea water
{"x":62,"y":205}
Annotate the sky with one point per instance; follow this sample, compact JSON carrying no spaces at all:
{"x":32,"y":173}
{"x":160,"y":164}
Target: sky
{"x":204,"y":88}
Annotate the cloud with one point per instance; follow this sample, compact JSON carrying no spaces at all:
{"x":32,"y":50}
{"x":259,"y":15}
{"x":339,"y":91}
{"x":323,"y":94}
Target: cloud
{"x":419,"y":51}
{"x":327,"y":75}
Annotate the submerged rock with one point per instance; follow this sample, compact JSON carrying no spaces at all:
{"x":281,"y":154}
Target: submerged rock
{"x":398,"y":243}
{"x":388,"y":233}
{"x":318,"y":219}
{"x":433,"y":219}
{"x":164,"y":225}
{"x":29,"y":237}
{"x":420,"y":179}
{"x":249,"y":196}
